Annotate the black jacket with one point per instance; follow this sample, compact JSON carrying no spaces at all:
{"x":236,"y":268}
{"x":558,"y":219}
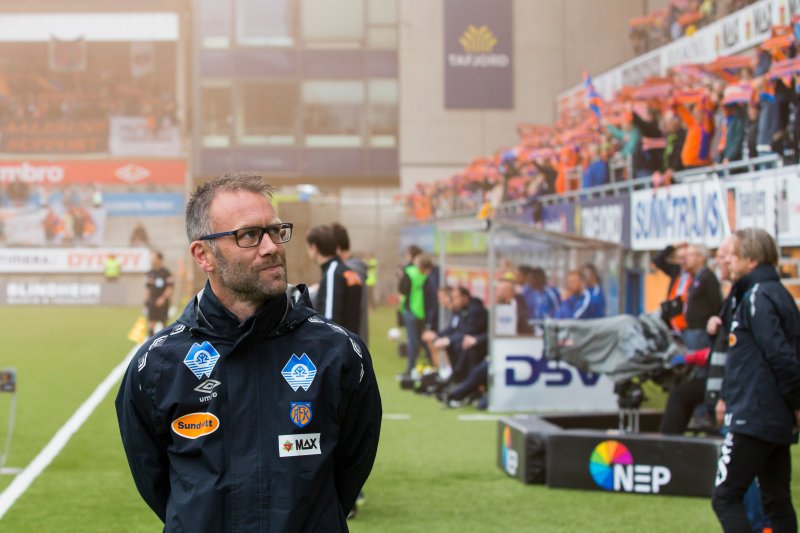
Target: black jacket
{"x":339,"y":294}
{"x":719,"y":353}
{"x":704,"y":299}
{"x":762,"y":372}
{"x":271,"y":425}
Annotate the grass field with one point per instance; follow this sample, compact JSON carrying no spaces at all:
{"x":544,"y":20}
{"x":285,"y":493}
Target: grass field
{"x":433,"y":472}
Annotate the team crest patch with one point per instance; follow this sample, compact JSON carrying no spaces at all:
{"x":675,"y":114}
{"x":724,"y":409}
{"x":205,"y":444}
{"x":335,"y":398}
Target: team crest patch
{"x":732,"y":340}
{"x":299,"y":372}
{"x":201,"y":359}
{"x":300,"y":413}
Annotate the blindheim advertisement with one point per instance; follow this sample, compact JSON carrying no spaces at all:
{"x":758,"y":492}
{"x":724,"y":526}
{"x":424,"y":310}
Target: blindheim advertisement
{"x":478,"y":43}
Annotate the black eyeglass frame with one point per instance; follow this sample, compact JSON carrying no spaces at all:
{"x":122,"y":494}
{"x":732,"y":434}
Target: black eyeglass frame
{"x":273,"y":230}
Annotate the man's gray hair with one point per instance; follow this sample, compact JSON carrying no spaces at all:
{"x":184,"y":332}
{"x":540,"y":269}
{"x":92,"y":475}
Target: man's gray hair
{"x":756,"y":244}
{"x":198,"y":219}
{"x":701,"y":250}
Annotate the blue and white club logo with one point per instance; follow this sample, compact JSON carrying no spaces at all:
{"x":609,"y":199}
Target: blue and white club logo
{"x":299,"y":372}
{"x":201,"y":359}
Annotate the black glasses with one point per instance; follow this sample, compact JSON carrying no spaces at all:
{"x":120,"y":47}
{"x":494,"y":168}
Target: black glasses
{"x":251,"y":237}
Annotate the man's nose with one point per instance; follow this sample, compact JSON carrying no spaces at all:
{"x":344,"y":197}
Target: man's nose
{"x":267,"y":247}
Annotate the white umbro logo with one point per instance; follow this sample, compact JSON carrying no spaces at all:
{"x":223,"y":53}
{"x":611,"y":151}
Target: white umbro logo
{"x":208,"y":385}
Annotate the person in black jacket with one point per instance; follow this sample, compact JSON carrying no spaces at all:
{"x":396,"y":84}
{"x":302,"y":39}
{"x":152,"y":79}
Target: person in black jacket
{"x":719,"y":328}
{"x":339,"y":295}
{"x":251,"y":412}
{"x":761,"y":388}
{"x":465,"y":338}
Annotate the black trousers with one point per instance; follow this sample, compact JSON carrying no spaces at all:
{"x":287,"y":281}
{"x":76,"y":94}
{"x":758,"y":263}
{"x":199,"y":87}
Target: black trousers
{"x":742,"y":459}
{"x":682,"y":400}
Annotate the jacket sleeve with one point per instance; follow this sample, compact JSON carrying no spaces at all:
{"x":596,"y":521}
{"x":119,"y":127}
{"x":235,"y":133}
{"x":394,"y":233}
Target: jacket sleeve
{"x":352,"y":299}
{"x":360,"y":427}
{"x":660,"y":261}
{"x":776,"y":347}
{"x":146,"y":453}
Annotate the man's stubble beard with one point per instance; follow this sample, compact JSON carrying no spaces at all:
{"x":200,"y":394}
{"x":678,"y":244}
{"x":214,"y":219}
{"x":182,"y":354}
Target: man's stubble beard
{"x":247,"y":284}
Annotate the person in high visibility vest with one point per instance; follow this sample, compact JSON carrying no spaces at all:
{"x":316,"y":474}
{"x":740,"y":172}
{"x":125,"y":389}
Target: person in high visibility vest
{"x":112,"y":267}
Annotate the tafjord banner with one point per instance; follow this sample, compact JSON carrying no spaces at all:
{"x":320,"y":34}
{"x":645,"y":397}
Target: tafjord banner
{"x":478,"y":65}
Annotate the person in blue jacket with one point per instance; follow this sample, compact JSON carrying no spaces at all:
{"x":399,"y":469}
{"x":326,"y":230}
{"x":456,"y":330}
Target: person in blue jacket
{"x":761,"y":388}
{"x":597,"y":306}
{"x":578,"y":300}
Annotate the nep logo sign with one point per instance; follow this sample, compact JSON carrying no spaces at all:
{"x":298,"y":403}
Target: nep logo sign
{"x":612,"y":468}
{"x":510,"y":455}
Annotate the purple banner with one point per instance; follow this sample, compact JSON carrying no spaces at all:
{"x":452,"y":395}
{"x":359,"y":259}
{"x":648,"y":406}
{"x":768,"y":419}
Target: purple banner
{"x":478,"y":43}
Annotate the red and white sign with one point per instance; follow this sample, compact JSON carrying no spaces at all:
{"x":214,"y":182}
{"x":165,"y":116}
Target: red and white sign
{"x":106,"y":172}
{"x":71,"y":260}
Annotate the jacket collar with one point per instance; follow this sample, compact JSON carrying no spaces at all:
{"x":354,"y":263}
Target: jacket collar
{"x":761,"y":274}
{"x":280,"y":314}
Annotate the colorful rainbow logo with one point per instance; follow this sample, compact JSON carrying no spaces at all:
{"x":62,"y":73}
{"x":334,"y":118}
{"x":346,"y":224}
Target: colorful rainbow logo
{"x":506,"y":445}
{"x":601,"y":464}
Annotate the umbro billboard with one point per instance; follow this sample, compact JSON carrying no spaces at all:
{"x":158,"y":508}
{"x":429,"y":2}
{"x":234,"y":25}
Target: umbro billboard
{"x":478,"y":65}
{"x":104,"y":171}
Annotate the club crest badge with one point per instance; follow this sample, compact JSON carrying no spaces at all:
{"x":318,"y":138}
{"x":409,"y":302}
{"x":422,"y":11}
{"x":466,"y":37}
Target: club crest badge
{"x":299,"y":372}
{"x":300,"y":413}
{"x":201,"y":359}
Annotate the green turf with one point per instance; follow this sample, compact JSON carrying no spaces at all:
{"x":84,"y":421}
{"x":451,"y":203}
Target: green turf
{"x":433,"y":473}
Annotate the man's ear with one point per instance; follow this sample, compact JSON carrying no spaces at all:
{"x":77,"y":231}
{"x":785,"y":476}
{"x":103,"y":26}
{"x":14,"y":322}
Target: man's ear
{"x":202,"y":256}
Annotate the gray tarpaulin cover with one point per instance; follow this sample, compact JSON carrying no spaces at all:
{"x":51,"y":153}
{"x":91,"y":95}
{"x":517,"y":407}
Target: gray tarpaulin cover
{"x":621,"y":347}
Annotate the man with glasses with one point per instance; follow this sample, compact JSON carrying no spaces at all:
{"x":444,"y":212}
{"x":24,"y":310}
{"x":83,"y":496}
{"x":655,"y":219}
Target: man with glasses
{"x":251,"y":412}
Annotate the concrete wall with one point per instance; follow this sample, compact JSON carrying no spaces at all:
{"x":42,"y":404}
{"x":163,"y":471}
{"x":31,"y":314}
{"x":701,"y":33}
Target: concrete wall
{"x":554,"y":41}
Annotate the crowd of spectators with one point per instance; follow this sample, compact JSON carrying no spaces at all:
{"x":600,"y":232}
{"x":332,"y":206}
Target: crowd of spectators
{"x":678,"y":19}
{"x":735,"y":108}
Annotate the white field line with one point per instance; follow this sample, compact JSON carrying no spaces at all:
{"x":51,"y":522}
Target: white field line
{"x":21,"y":483}
{"x":396,"y":416}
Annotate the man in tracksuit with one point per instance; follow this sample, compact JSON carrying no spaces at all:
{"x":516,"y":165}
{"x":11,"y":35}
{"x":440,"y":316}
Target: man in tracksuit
{"x":251,"y":412}
{"x":761,"y":388}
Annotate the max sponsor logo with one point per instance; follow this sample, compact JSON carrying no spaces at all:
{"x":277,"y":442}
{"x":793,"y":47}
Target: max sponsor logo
{"x":299,"y":445}
{"x":195,"y":425}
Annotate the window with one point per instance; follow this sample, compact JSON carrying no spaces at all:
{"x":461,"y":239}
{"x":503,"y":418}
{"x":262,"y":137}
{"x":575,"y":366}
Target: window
{"x":383,"y":113}
{"x":216,"y":113}
{"x":268,"y":113}
{"x":339,"y":23}
{"x":333,"y":113}
{"x":266,"y":23}
{"x":214,"y":21}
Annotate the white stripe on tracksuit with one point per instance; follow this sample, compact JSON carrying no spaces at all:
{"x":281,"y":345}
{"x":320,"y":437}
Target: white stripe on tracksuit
{"x":329,"y":289}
